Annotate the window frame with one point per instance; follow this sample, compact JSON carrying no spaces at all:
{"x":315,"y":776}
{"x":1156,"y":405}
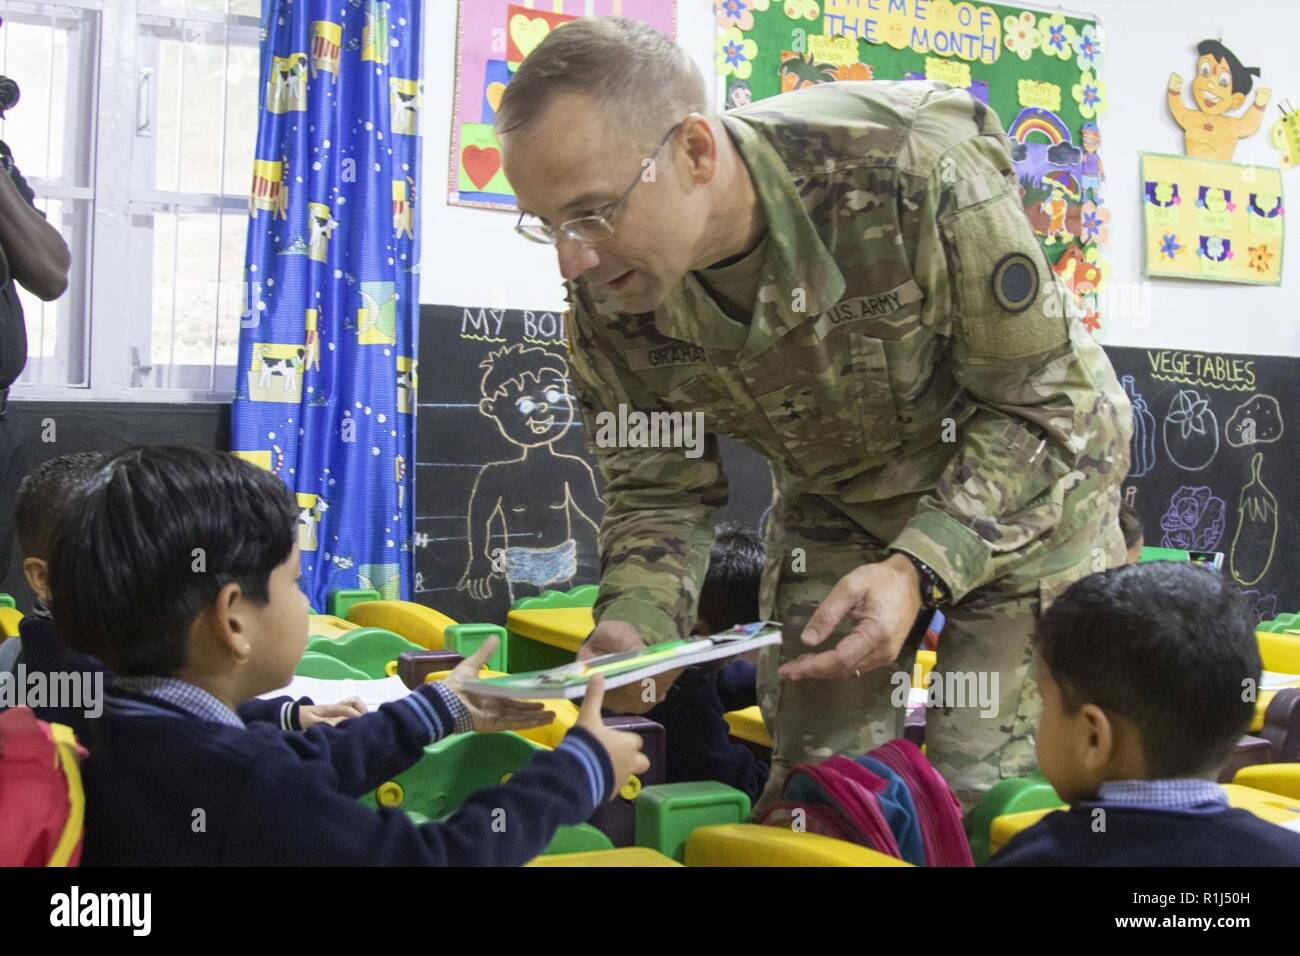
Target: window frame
{"x":119,"y":270}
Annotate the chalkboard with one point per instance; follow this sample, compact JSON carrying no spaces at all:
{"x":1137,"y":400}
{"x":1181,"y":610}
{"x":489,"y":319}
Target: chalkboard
{"x":532,"y":486}
{"x":1214,"y":462}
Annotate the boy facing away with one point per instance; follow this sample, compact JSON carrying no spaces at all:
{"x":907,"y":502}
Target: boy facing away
{"x":175,"y":777}
{"x":1144,"y":672}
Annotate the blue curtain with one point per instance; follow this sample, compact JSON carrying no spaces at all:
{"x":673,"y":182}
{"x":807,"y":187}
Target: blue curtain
{"x":325,"y":391}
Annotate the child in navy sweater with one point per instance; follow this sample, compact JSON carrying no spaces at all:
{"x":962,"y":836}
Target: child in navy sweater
{"x":1144,"y":671}
{"x":178,"y":568}
{"x":698,"y":744}
{"x":43,"y":497}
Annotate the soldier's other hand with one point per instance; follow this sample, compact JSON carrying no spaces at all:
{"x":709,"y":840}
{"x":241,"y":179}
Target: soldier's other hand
{"x":883,"y":600}
{"x":616,"y":637}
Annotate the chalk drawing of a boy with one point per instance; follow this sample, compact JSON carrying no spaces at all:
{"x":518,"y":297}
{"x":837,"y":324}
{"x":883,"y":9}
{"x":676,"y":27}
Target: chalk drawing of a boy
{"x":530,"y":501}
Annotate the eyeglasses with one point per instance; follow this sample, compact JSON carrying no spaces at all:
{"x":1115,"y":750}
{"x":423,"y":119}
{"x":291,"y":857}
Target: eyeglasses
{"x":588,"y":229}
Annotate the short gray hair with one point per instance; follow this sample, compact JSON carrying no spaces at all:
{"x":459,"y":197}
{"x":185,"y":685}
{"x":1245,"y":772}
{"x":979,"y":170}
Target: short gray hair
{"x":629,"y":67}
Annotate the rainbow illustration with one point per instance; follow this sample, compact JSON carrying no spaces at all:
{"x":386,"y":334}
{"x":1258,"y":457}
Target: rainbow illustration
{"x":1035,"y":120}
{"x":1062,"y":180}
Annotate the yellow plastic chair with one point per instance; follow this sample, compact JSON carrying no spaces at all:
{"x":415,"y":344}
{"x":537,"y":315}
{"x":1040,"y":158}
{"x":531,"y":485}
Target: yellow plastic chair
{"x":415,"y":622}
{"x":1273,"y":807}
{"x":562,"y":627}
{"x":1280,"y":778}
{"x":621,"y":856}
{"x":1280,"y":653}
{"x":9,"y":618}
{"x":749,"y":844}
{"x":327,"y":625}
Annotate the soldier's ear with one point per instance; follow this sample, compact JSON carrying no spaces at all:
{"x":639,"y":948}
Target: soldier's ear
{"x":701,"y":144}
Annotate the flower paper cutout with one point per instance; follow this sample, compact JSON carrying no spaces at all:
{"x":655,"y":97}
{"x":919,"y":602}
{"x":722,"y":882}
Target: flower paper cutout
{"x":1022,"y":36}
{"x":1057,"y":38}
{"x":1090,"y":94}
{"x":735,"y":54}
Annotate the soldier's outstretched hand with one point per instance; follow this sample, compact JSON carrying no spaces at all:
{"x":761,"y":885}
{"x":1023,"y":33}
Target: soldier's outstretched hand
{"x":883,"y":600}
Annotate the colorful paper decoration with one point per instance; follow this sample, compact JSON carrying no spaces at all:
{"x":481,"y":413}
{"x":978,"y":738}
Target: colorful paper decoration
{"x":1220,"y":87}
{"x":1206,"y":219}
{"x":493,"y":38}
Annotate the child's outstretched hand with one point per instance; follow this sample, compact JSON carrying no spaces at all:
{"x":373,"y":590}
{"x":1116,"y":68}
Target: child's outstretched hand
{"x":332,"y":714}
{"x":624,"y":749}
{"x":494,"y":713}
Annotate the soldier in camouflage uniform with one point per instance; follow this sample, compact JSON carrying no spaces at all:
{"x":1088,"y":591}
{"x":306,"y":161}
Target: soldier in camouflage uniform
{"x":932,"y":410}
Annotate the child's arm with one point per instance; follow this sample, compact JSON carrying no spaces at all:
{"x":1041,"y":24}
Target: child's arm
{"x":365,"y":751}
{"x":298,"y":817}
{"x":280,"y":712}
{"x":1248,"y":125}
{"x":1177,"y":108}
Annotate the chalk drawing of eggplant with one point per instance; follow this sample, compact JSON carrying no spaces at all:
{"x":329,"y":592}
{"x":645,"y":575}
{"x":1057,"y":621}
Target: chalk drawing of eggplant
{"x":1256,"y":537}
{"x":1144,"y":432}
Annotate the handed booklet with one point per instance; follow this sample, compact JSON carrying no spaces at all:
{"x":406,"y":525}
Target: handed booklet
{"x":569,"y":681}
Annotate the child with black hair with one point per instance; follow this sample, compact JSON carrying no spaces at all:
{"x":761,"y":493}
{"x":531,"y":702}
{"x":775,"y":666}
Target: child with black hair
{"x":43,"y":497}
{"x":692,"y":714}
{"x":1142,"y":670}
{"x":175,"y":777}
{"x":1131,"y":525}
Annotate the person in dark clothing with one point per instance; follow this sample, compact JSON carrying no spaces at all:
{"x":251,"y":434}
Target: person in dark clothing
{"x":189,"y":641}
{"x":33,"y":254}
{"x":1143,"y":670}
{"x":43,"y":498}
{"x":697,"y":736}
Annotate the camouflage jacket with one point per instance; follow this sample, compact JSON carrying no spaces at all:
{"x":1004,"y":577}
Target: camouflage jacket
{"x":910,"y":357}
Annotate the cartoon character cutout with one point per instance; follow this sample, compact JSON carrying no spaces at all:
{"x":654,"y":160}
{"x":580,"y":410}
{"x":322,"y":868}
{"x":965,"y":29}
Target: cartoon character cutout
{"x":1220,"y":86}
{"x":404,"y":208}
{"x":1091,"y":172}
{"x":1285,"y":136}
{"x":739,"y":95}
{"x":326,"y":43}
{"x":1057,"y":205}
{"x":286,"y":87}
{"x":525,"y":391}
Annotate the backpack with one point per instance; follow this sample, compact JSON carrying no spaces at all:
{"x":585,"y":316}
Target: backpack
{"x":892,"y":801}
{"x":42,"y":802}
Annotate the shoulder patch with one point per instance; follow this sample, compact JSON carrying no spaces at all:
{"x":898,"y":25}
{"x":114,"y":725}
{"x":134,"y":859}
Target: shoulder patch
{"x":1015,"y":282}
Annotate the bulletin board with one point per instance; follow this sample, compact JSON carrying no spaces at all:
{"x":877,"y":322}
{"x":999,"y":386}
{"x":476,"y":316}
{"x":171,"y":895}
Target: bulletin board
{"x":492,"y":39}
{"x":1206,"y":219}
{"x":1213,"y":462}
{"x":1040,"y":71}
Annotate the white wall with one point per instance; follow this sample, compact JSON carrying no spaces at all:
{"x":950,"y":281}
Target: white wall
{"x":470,"y":254}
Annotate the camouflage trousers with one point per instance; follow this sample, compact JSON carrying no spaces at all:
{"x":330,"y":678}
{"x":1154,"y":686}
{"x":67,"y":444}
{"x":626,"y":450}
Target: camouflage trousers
{"x":986,"y":703}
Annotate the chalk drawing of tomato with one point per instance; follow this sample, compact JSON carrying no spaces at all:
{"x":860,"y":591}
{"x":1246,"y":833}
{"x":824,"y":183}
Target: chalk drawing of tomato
{"x":1191,"y":431}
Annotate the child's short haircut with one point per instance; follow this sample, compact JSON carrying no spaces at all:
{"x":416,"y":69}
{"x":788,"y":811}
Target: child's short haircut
{"x":156,"y":533}
{"x":729,"y":595}
{"x":1168,"y":645}
{"x":1130,"y":524}
{"x":44,"y":497}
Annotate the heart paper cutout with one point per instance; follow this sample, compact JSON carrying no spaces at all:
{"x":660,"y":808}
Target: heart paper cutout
{"x":494,"y":92}
{"x":480,"y":164}
{"x":528,"y":32}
